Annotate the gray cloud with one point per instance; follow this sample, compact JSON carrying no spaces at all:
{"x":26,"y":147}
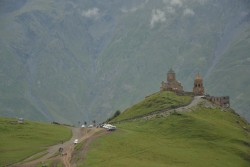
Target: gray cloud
{"x":166,"y":1}
{"x":188,"y":12}
{"x":202,"y":2}
{"x":170,"y":9}
{"x":133,"y":9}
{"x":91,"y":13}
{"x":158,"y":16}
{"x":177,"y":3}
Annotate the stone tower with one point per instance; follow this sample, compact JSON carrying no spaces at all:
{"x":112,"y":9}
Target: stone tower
{"x":198,"y":85}
{"x":171,"y":75}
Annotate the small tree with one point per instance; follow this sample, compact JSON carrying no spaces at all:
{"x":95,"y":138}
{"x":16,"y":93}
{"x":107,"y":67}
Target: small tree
{"x":117,"y":113}
{"x":85,"y":123}
{"x":94,"y":122}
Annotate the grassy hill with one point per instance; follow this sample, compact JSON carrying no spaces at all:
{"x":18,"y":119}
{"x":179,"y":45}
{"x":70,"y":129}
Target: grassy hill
{"x":19,"y":141}
{"x":155,"y":102}
{"x":207,"y":136}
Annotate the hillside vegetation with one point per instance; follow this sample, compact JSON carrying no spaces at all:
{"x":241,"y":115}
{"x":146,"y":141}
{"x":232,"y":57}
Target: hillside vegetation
{"x":19,"y":141}
{"x":207,"y":136}
{"x":156,"y":102}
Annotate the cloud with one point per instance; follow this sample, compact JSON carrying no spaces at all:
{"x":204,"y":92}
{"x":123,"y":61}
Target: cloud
{"x":165,"y":1}
{"x":133,"y":9}
{"x":158,"y":16}
{"x":170,"y":9}
{"x":91,"y":13}
{"x":188,"y":12}
{"x":177,"y":3}
{"x":180,"y":3}
{"x":202,"y":2}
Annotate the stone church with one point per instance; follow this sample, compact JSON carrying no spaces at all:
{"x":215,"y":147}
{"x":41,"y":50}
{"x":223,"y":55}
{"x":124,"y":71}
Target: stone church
{"x":198,"y":89}
{"x":172,"y":84}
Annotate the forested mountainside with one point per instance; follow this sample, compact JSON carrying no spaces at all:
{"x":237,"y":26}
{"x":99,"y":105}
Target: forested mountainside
{"x":77,"y":60}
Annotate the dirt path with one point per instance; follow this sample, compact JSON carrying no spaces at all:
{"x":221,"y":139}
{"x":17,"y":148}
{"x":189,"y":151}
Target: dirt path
{"x":81,"y":155}
{"x":196,"y":100}
{"x":87,"y":134}
{"x":52,"y":153}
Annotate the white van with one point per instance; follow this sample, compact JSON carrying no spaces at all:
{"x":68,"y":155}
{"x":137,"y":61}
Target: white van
{"x":109,"y":127}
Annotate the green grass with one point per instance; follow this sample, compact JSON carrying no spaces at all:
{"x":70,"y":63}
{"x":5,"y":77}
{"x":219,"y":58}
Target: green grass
{"x":54,"y":163}
{"x":78,"y":153}
{"x":19,"y":141}
{"x":204,"y":137}
{"x":158,"y":101}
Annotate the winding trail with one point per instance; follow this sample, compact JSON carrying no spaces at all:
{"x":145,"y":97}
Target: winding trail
{"x":195,"y":101}
{"x":166,"y":112}
{"x":88,"y":134}
{"x":52,"y":153}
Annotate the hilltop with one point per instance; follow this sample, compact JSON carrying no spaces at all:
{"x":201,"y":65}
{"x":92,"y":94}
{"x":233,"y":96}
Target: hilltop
{"x":157,"y":102}
{"x":202,"y":135}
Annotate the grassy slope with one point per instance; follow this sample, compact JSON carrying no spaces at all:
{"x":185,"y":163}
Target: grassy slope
{"x":19,"y":141}
{"x":154,"y":102}
{"x":204,"y":137}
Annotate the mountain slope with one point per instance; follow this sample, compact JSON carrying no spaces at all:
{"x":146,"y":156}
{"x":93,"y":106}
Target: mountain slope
{"x":74,"y":61}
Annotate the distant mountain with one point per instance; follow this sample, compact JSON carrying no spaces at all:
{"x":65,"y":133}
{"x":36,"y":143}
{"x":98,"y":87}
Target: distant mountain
{"x":73,"y":61}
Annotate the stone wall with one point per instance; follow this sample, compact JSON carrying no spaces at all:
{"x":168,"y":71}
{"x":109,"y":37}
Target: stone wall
{"x":223,"y":101}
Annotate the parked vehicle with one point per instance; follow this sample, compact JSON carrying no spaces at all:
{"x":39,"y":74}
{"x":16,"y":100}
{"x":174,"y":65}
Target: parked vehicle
{"x":112,"y":128}
{"x":109,"y":127}
{"x":76,"y":141}
{"x":90,"y":126}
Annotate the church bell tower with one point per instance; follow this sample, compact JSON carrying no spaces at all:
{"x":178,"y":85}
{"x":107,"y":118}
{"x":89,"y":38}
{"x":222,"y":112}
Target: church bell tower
{"x":171,"y":75}
{"x":198,"y":88}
